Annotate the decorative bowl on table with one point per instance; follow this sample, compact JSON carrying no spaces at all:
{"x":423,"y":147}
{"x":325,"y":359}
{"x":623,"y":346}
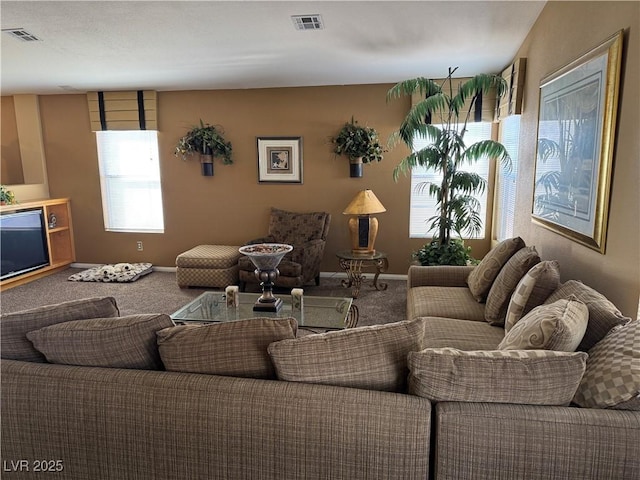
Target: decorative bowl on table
{"x":266,"y":257}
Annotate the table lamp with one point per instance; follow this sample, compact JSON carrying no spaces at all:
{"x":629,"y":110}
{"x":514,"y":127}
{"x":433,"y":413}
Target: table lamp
{"x":364,"y":227}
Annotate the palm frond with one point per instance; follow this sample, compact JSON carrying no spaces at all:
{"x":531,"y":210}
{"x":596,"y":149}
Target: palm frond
{"x":421,"y":85}
{"x":490,"y":149}
{"x":468,"y":182}
{"x":547,"y":148}
{"x":427,"y":157}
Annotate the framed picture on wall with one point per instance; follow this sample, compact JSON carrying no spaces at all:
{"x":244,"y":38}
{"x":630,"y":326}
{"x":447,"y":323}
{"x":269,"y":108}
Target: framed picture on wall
{"x":280,"y":159}
{"x":576,"y":136}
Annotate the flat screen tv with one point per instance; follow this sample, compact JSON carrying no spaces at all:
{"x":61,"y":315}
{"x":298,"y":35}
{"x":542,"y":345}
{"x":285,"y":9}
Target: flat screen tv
{"x":23,"y":242}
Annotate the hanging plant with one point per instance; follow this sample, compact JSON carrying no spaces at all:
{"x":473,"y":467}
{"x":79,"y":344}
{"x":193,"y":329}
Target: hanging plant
{"x":359,"y":144}
{"x":206,"y":140}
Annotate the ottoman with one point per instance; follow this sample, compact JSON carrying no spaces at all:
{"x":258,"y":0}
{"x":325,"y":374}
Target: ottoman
{"x":208,"y":266}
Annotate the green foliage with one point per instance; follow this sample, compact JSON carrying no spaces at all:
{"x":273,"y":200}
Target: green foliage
{"x":458,"y":211}
{"x":205,"y":139}
{"x":355,"y":141}
{"x":7,"y":196}
{"x":452,"y":253}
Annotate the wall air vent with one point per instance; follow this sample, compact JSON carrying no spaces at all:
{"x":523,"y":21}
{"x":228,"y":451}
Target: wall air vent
{"x":307,"y":22}
{"x":21,"y":34}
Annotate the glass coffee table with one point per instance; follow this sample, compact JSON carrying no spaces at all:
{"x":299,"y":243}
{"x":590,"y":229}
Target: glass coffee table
{"x":329,"y":313}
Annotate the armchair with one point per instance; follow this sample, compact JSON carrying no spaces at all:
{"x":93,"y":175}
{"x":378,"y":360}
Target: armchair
{"x":307,"y":232}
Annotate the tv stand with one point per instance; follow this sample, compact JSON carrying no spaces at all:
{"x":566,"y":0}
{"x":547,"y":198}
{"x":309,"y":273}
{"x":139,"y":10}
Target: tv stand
{"x":59,"y":239}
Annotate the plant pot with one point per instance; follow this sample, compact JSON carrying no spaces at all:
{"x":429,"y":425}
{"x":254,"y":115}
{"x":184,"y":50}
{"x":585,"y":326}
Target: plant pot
{"x":355,"y":167}
{"x":206,"y":161}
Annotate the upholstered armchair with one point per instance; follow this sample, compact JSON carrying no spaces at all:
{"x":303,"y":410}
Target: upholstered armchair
{"x":307,"y":232}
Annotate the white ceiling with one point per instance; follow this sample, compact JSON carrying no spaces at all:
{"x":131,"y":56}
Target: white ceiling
{"x":193,"y":45}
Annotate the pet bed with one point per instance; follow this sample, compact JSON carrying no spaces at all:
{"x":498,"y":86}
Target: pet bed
{"x":119,"y":272}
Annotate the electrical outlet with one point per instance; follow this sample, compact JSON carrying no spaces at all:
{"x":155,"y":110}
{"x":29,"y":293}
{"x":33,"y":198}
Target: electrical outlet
{"x":139,"y":246}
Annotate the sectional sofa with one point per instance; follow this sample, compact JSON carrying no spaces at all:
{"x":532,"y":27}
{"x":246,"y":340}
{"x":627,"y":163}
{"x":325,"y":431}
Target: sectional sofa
{"x":444,"y":394}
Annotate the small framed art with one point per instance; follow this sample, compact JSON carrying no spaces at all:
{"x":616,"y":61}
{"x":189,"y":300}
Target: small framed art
{"x":280,"y":159}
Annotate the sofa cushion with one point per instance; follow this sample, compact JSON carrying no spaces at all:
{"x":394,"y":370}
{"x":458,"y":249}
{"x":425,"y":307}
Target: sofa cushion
{"x":461,"y":334}
{"x":603,"y":315}
{"x":372,"y":357}
{"x":535,"y":377}
{"x":236,"y":348}
{"x":123,"y":342}
{"x":505,"y":283}
{"x":15,"y":326}
{"x":612,"y":378}
{"x":453,"y":302}
{"x":557,"y":326}
{"x":532,"y":290}
{"x":482,"y":277}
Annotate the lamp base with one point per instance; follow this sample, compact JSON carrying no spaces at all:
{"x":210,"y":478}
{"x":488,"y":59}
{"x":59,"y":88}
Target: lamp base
{"x":364,"y":230}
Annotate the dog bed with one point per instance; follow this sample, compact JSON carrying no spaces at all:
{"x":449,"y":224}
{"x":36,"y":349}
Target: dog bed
{"x":118,"y":272}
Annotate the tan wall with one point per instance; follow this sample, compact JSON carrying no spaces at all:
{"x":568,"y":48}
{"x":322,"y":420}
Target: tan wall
{"x":563,"y":32}
{"x":11,"y":164}
{"x":232,"y":207}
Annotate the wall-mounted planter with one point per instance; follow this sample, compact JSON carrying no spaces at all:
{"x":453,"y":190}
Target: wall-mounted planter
{"x":356,"y":167}
{"x":206,"y":161}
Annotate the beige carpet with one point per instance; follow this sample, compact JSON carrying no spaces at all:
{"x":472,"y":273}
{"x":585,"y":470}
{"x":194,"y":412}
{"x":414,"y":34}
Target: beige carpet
{"x":159,"y":293}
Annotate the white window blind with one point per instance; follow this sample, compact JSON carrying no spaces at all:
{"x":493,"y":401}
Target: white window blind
{"x":423,"y":206}
{"x":506,"y":190}
{"x":130,"y":181}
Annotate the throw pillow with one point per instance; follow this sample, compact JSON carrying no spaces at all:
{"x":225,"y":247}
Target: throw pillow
{"x":505,"y":283}
{"x":481,"y":278}
{"x":372,"y":357}
{"x":16,"y":346}
{"x":534,"y":377}
{"x":603,"y":315}
{"x":612,"y":379}
{"x":124,"y":342}
{"x":533,"y":289}
{"x":237,"y":348}
{"x":558,"y":326}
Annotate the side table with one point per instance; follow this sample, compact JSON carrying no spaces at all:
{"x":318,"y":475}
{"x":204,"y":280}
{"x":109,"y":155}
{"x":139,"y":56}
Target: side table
{"x":353,"y":263}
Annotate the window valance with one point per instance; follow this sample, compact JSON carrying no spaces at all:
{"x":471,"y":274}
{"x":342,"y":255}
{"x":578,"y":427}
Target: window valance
{"x":124,"y":110}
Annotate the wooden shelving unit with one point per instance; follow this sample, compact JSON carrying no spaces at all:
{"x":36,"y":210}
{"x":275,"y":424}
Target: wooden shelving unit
{"x":62,"y":250}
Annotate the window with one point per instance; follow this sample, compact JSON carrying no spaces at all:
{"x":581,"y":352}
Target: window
{"x":505,"y":203}
{"x":130,"y":181}
{"x":423,"y":205}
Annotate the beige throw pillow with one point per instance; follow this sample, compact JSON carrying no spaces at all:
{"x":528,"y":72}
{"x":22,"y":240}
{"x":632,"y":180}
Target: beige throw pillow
{"x":481,"y":278}
{"x":505,"y":283}
{"x":373,"y":357}
{"x":535,"y":377}
{"x":124,"y":342}
{"x":603,"y":315}
{"x":612,"y":379}
{"x":533,"y":289}
{"x":236,"y":348}
{"x":558,"y":326}
{"x":15,"y":326}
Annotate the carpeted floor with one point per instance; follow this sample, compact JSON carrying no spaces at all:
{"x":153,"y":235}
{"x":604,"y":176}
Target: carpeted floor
{"x":159,"y":293}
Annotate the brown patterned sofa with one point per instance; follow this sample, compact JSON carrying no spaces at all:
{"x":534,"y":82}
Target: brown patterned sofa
{"x":510,"y":399}
{"x":307,"y":232}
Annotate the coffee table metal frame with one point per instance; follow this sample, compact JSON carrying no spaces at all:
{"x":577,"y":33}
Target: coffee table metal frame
{"x":328,"y":313}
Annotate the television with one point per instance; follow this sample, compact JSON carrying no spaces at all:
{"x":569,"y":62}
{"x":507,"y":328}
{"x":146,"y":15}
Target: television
{"x":23,"y":242}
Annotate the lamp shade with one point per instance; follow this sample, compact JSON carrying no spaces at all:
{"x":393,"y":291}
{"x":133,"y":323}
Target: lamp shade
{"x":364,"y":203}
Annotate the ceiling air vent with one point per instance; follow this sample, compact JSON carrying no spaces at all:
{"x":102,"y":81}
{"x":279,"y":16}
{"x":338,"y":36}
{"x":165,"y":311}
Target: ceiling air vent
{"x":21,"y":34}
{"x":307,"y":22}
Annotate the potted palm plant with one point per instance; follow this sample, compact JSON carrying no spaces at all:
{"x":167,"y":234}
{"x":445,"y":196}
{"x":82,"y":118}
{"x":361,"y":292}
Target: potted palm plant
{"x":206,"y":140}
{"x":457,"y":209}
{"x":359,"y":144}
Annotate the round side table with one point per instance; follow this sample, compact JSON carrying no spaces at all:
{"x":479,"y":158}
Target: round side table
{"x":353,"y":263}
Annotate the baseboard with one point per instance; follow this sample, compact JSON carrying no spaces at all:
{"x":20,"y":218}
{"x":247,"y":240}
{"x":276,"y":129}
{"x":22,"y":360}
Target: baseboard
{"x":384,"y":276}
